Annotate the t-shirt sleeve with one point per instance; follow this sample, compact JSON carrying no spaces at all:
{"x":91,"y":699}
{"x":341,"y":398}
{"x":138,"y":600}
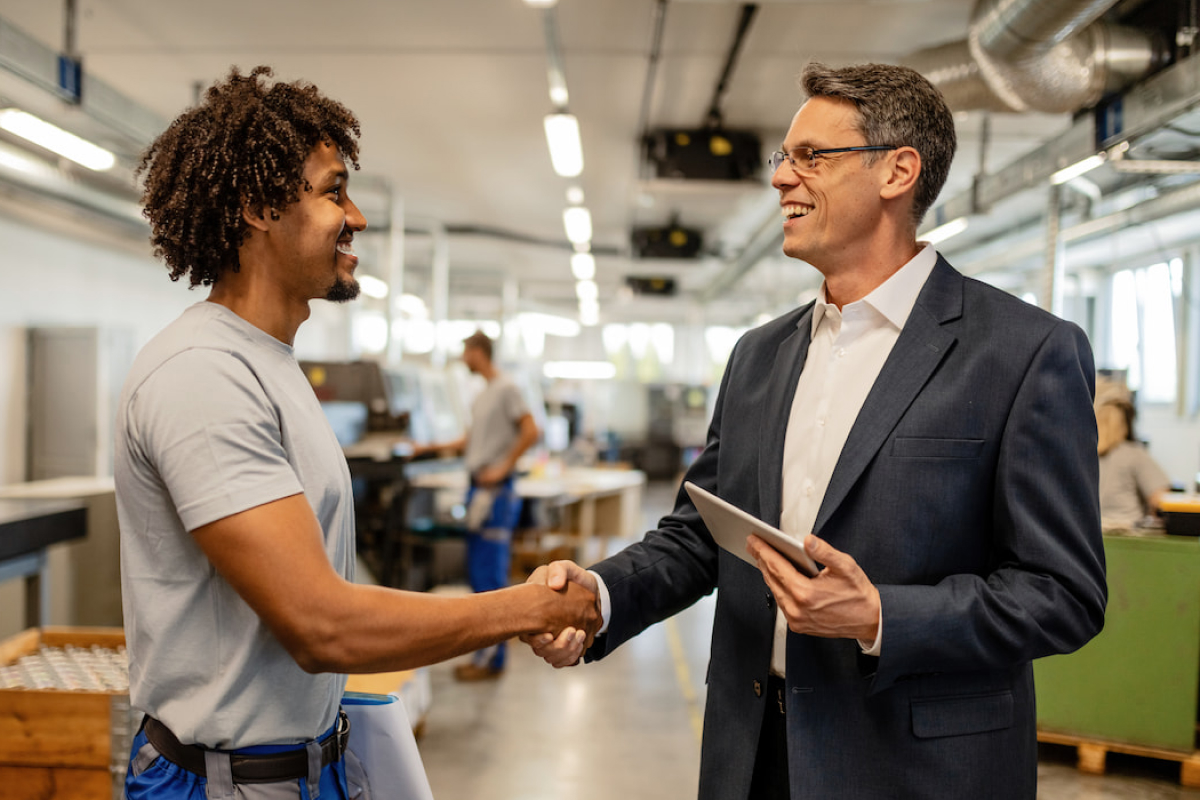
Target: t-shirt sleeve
{"x":515,"y":406}
{"x":1148,"y":474}
{"x":205,"y":425}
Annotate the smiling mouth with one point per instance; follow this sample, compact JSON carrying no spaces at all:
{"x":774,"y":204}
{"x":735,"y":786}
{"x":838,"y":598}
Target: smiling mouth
{"x":794,"y":210}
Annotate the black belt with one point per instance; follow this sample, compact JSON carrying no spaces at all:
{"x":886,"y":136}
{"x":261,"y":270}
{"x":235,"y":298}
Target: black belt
{"x":267,"y":768}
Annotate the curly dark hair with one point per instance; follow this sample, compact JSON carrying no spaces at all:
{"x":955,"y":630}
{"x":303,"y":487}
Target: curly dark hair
{"x":244,"y":146}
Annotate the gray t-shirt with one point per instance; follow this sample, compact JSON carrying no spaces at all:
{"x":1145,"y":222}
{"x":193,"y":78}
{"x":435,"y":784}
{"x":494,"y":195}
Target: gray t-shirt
{"x":1128,"y":476}
{"x":494,"y":417}
{"x":217,"y":418}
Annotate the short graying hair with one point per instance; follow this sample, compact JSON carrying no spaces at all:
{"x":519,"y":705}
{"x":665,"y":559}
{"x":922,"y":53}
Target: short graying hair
{"x":897,"y":106}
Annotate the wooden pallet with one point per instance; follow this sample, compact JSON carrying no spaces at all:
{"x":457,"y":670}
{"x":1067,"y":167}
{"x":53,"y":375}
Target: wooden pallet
{"x":1093,"y":753}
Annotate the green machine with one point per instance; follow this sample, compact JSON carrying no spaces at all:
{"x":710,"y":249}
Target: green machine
{"x":1137,"y":681}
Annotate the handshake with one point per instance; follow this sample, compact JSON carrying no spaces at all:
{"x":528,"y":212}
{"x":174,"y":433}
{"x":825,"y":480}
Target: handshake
{"x":576,"y":625}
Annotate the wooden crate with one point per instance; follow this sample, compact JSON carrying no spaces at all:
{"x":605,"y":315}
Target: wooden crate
{"x":62,"y":745}
{"x":1092,"y":755}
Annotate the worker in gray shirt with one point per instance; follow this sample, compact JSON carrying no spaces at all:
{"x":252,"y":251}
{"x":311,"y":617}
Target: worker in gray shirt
{"x":236,"y":513}
{"x":501,"y":430}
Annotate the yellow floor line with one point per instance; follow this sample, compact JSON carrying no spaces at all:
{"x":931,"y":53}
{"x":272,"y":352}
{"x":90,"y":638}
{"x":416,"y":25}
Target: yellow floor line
{"x":684,"y":676}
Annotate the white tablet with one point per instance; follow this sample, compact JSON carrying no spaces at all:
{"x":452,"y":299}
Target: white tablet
{"x":730,"y":527}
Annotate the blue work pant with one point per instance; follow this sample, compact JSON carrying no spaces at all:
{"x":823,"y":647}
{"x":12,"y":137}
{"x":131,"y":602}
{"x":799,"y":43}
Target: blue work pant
{"x":489,"y":553}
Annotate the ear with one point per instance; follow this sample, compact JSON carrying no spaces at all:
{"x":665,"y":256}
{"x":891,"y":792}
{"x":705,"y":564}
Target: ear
{"x":256,"y":218}
{"x":905,"y":168}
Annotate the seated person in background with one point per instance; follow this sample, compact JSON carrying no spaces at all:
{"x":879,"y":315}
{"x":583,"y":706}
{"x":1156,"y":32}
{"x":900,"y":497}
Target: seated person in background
{"x":1131,"y":482}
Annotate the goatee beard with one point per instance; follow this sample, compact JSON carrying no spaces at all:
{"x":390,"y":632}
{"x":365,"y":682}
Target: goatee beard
{"x":342,"y":291}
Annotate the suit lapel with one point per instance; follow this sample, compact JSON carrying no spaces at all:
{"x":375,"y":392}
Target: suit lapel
{"x":781,"y":390}
{"x":920,"y":348}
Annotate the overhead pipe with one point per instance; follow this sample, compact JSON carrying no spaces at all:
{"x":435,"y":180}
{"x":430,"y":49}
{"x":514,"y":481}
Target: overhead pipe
{"x":1033,"y":55}
{"x":656,"y":40}
{"x":714,"y":117}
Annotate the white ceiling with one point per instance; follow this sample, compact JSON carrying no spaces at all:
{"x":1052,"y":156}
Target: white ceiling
{"x":451,"y":95}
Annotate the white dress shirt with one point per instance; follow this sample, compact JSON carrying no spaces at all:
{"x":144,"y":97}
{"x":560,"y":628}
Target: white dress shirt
{"x":847,"y":352}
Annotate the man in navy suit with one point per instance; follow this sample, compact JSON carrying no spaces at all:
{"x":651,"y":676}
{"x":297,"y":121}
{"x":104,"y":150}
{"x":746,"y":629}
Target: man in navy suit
{"x":931,"y":441}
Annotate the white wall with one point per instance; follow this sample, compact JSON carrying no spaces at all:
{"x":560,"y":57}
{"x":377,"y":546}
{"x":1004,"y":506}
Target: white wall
{"x":49,"y":278}
{"x":1174,"y":441}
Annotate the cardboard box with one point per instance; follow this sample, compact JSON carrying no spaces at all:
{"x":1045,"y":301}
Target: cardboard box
{"x":57,"y":744}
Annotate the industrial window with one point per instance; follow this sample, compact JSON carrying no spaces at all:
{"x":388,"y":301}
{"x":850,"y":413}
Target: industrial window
{"x":1142,"y":330}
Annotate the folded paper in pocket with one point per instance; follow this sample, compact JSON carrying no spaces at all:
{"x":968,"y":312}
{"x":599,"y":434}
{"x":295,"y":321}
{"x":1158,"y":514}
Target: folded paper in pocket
{"x":382,"y":760}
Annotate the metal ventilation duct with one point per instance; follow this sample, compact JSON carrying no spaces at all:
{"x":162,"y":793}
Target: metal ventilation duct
{"x":1034,"y":55}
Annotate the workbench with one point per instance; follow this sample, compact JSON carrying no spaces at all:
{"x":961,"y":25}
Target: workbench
{"x":1134,"y":684}
{"x":28,"y":527}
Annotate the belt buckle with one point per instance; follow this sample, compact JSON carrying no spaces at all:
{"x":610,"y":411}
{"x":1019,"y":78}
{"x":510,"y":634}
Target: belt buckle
{"x":342,"y":731}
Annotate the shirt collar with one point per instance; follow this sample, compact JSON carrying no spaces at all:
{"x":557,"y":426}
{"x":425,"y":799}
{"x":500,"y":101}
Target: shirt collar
{"x":894,"y":298}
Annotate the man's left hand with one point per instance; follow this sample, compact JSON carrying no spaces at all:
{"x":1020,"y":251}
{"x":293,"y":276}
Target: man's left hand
{"x":839,"y":603}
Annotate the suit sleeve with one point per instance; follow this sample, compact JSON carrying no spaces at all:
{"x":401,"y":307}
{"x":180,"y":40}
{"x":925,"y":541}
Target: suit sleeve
{"x":674,"y":565}
{"x":1047,"y":592}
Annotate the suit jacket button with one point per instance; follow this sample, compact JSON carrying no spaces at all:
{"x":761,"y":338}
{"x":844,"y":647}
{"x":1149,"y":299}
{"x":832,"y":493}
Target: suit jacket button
{"x":770,"y":600}
{"x":757,"y":689}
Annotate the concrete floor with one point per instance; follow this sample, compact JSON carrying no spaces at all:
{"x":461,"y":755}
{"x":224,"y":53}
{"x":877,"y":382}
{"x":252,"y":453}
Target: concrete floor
{"x":629,"y":727}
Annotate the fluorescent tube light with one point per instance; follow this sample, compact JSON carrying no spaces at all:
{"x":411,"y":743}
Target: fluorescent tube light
{"x":589,"y":315}
{"x":583,"y":266}
{"x":587,"y":291}
{"x":16,"y":162}
{"x":580,"y":370}
{"x":566,"y":150}
{"x":1078,"y":168}
{"x":550,"y":324}
{"x":943,"y":232}
{"x":577,"y":221}
{"x":372,"y":286}
{"x":575,"y":195}
{"x":412,"y":305}
{"x":55,"y":139}
{"x":540,"y":3}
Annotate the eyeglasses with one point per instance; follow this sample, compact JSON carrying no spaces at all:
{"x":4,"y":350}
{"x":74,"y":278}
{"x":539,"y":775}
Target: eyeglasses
{"x":804,"y":159}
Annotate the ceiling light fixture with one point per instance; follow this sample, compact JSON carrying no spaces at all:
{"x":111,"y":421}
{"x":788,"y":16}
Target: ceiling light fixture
{"x":580,"y":370}
{"x":550,"y":324}
{"x":587,"y":291}
{"x":55,"y":139}
{"x":540,"y":3}
{"x":583,"y":266}
{"x":943,"y":232}
{"x":1078,"y":168}
{"x":575,"y":195}
{"x":372,"y":286}
{"x":577,"y":221}
{"x":566,"y":150}
{"x":412,"y":305}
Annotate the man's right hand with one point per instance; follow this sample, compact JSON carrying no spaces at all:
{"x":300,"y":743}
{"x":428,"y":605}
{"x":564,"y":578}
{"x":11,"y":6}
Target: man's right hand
{"x":568,"y":647}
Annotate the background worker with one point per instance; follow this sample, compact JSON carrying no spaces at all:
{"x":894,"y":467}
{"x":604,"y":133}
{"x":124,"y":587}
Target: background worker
{"x":501,"y":430}
{"x":1132,"y":484}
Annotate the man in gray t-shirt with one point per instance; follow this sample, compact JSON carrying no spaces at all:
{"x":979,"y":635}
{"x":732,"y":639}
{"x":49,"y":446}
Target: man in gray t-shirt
{"x":236,"y":515}
{"x":501,"y":430}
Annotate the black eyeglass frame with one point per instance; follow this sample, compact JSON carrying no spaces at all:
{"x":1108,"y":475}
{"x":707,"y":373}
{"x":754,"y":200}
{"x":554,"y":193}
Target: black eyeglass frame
{"x":779,"y":156}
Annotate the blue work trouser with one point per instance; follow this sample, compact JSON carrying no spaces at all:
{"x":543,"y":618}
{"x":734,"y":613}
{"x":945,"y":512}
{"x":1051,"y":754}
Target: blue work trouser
{"x":154,"y":777}
{"x":489,"y":553}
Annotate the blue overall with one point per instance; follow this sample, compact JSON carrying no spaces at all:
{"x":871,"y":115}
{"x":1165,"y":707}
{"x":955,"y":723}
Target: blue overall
{"x":489,"y":554}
